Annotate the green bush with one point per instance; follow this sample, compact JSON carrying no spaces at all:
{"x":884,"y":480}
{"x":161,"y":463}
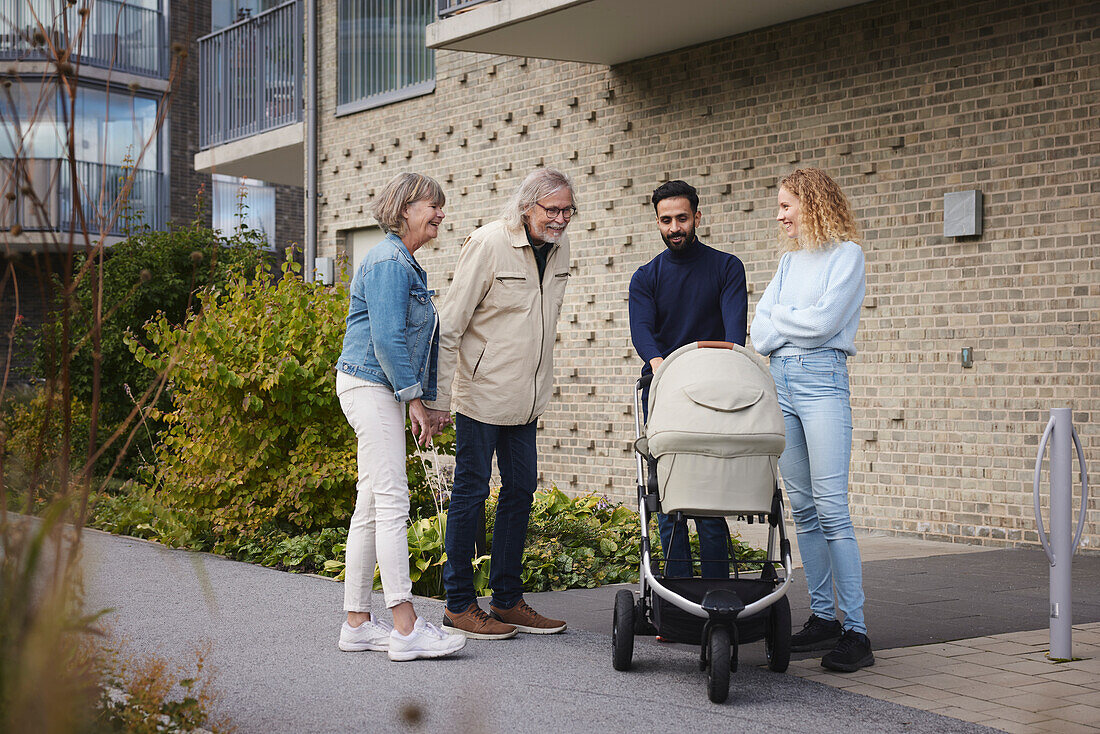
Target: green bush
{"x":256,"y":438}
{"x":31,"y":427}
{"x":579,"y":543}
{"x":149,"y":274}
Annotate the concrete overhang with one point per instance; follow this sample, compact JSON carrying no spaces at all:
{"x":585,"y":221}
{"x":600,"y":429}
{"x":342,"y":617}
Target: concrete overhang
{"x":610,"y":32}
{"x":276,"y":156}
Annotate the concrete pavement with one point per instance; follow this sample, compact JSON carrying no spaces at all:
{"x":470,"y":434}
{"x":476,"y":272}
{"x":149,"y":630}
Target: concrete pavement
{"x":273,"y":640}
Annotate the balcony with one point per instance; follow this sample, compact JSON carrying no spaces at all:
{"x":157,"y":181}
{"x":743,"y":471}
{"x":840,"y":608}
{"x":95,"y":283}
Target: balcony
{"x":250,"y":97}
{"x":51,"y":206}
{"x":116,"y":35}
{"x":606,"y":32}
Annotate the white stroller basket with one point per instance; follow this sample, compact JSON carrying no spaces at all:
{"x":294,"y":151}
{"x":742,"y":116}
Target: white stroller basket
{"x":717,"y":431}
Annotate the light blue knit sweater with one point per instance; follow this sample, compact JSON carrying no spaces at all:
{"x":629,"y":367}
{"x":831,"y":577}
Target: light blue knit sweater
{"x":812,"y":303}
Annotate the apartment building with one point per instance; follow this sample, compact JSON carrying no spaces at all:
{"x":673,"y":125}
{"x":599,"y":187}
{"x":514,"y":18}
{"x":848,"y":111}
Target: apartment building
{"x":978,"y":319}
{"x":131,"y":112}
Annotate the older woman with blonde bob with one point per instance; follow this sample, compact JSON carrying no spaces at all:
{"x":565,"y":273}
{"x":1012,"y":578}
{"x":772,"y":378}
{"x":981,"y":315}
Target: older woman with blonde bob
{"x":389,"y":359}
{"x":806,"y":323}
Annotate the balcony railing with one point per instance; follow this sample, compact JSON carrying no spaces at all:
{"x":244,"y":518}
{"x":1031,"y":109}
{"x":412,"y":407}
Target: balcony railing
{"x":100,"y":188}
{"x":250,"y":76}
{"x":116,"y":35}
{"x":450,"y":7}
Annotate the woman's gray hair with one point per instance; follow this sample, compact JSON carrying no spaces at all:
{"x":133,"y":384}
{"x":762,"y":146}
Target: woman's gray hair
{"x":539,"y":184}
{"x":402,"y":190}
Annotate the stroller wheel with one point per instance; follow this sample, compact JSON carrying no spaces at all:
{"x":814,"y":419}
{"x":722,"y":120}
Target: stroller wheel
{"x":777,"y":636}
{"x":622,"y":630}
{"x":718,"y":664}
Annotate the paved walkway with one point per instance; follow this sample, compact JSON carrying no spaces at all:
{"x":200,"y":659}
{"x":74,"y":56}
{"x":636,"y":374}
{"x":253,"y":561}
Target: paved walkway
{"x":954,"y":629}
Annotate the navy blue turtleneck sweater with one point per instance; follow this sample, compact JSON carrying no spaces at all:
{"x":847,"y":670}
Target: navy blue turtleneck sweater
{"x":697,"y":294}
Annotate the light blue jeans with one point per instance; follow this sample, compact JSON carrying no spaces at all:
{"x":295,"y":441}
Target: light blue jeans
{"x":813,"y":393}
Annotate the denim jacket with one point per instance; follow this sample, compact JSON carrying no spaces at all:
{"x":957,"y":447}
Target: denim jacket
{"x":392,"y":326}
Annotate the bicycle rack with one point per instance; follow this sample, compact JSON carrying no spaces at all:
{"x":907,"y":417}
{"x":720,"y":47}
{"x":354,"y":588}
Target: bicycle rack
{"x":1062,"y":542}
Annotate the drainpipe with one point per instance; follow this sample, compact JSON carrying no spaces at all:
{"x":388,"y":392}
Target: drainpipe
{"x":311,"y":138}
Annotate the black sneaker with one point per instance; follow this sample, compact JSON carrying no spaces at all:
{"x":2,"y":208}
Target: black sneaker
{"x":850,"y":654}
{"x":816,"y":634}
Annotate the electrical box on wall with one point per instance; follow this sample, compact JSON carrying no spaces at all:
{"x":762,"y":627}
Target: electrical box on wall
{"x":962,"y":213}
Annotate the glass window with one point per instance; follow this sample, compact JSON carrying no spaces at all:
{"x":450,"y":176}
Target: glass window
{"x":107,"y":129}
{"x":238,"y":203}
{"x":29,"y":122}
{"x":381,"y":56}
{"x":112,"y":128}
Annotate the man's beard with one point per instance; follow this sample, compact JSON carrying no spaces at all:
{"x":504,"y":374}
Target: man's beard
{"x":546,"y":234}
{"x":689,"y":237}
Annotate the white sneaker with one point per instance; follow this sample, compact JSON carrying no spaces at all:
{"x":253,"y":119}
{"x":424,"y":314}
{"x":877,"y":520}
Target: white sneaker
{"x":371,"y":635}
{"x":426,"y":641}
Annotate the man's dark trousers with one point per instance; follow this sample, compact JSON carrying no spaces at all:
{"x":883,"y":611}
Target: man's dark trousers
{"x":517,"y":461}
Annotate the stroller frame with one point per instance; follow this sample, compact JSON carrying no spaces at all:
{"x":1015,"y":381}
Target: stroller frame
{"x":724,"y":612}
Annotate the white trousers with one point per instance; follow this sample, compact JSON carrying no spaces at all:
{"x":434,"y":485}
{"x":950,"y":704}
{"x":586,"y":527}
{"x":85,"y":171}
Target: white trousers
{"x":378,"y":531}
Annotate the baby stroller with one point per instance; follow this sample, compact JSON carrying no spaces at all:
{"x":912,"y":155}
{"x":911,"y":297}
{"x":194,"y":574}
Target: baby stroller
{"x":711,"y":443}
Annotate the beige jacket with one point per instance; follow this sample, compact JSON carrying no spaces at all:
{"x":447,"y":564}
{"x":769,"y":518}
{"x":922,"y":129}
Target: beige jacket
{"x":498,"y":327}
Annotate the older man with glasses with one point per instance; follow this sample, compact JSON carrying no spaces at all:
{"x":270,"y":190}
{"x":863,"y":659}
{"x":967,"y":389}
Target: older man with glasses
{"x":499,"y":321}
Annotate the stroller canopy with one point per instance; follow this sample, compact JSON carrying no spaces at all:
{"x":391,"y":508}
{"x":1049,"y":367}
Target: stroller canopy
{"x":716,"y":429}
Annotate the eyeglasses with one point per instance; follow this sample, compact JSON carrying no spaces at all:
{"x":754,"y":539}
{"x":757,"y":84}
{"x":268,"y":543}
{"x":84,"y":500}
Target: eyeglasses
{"x":553,"y":211}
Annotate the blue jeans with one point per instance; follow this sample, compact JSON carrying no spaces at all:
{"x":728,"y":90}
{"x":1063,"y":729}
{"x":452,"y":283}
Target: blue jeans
{"x":714,"y":538}
{"x":813,"y":393}
{"x":476,"y":442}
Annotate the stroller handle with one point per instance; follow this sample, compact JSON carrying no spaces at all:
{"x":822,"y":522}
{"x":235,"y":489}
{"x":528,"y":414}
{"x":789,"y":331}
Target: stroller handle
{"x":714,"y":345}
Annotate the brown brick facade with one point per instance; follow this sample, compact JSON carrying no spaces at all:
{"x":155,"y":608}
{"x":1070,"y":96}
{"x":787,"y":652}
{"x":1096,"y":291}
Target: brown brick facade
{"x":901,"y":102}
{"x":188,"y":21}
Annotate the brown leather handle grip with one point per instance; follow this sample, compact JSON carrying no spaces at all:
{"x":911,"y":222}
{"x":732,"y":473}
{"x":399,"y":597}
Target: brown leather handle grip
{"x":714,"y":345}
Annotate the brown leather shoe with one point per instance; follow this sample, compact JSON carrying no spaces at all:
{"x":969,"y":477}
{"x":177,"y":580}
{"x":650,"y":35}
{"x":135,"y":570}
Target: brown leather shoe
{"x":477,"y":624}
{"x":526,"y":619}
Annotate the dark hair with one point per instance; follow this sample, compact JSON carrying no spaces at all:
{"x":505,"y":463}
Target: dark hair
{"x":672,"y":189}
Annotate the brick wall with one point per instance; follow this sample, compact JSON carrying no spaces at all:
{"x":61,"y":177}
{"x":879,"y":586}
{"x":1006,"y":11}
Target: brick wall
{"x":289,"y":221}
{"x":901,"y":102}
{"x":188,"y":21}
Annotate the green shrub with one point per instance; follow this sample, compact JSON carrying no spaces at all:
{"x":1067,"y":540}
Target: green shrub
{"x":149,"y":274}
{"x":31,"y":427}
{"x":579,"y":543}
{"x":256,"y":437}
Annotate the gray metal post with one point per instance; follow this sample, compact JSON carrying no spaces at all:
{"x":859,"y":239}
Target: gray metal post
{"x":1062,"y":540}
{"x":311,"y":140}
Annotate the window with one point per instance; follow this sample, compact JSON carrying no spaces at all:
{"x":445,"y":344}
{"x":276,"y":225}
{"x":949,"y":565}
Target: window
{"x":111,"y":131}
{"x":108,"y":129}
{"x":381,"y":56}
{"x":239,"y":203}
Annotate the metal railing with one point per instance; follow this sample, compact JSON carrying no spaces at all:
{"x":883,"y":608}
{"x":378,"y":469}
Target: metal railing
{"x":450,"y":7}
{"x":51,"y":206}
{"x":116,"y":34}
{"x":250,"y":76}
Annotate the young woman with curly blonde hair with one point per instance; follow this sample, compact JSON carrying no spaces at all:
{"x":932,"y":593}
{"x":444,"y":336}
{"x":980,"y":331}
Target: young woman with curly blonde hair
{"x":806,"y":323}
